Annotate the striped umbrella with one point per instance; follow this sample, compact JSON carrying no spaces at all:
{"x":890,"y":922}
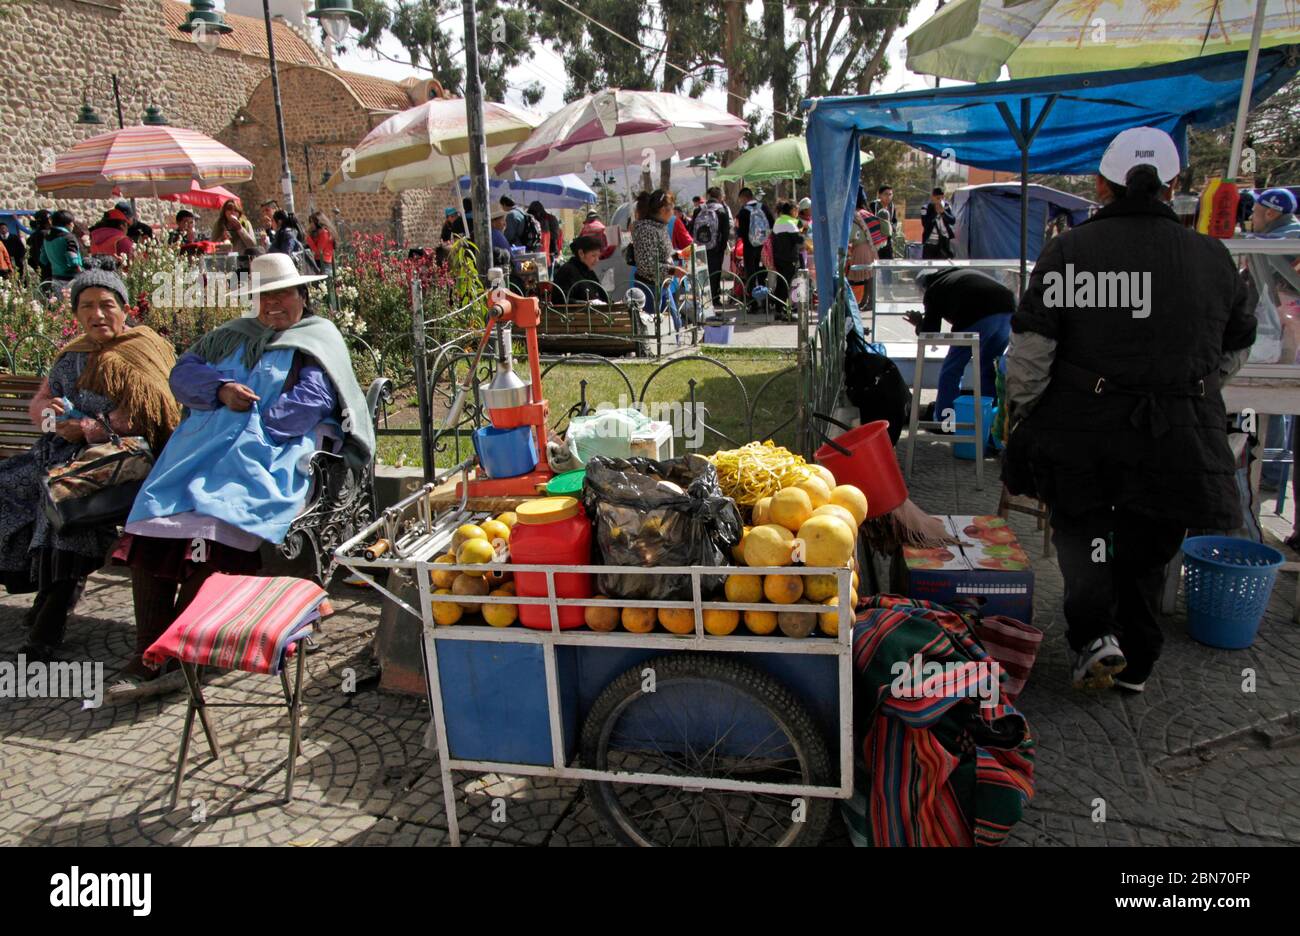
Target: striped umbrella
{"x":143,"y":161}
{"x":614,"y":128}
{"x":427,"y":145}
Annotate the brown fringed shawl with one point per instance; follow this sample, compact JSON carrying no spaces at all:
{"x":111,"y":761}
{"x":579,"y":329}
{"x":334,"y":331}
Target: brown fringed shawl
{"x":132,"y":371}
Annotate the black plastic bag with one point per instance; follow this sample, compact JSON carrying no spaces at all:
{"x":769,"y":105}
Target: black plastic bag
{"x":643,"y":520}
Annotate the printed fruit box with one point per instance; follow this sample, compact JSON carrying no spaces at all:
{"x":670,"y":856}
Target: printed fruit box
{"x":988,"y":563}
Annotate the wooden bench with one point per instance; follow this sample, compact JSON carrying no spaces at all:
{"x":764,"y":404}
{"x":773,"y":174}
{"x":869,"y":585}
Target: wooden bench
{"x":342,"y":499}
{"x":17,"y":434}
{"x":601,"y":329}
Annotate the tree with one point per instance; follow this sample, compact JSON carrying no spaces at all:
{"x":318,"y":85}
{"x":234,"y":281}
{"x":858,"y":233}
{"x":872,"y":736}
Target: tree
{"x":842,"y":45}
{"x":429,"y":32}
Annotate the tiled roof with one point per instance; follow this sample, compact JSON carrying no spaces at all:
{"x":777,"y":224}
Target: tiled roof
{"x":249,"y":36}
{"x":375,"y":93}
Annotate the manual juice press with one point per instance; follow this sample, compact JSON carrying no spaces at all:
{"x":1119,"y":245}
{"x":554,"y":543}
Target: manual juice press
{"x":512,"y":450}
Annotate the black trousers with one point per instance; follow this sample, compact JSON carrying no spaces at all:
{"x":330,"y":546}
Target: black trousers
{"x":1115,"y":591}
{"x":753,"y":264}
{"x":714,"y":259}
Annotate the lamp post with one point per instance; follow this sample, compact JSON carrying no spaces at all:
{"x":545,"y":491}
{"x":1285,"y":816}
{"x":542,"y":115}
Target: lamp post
{"x":709,"y":163}
{"x":206,"y":26}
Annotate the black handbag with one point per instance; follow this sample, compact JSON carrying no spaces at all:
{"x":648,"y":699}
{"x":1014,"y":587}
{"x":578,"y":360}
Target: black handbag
{"x":97,"y":487}
{"x":1017,"y":472}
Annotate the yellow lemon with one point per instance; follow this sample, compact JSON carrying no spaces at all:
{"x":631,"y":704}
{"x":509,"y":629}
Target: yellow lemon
{"x":475,"y":552}
{"x":760,"y":622}
{"x":820,"y":587}
{"x":827,"y":541}
{"x":495,"y":530}
{"x":824,"y":473}
{"x":851,"y":499}
{"x":790,"y":507}
{"x":677,"y":620}
{"x":445,"y":612}
{"x":817,"y":491}
{"x":721,"y":623}
{"x":500,"y":615}
{"x":760,"y":510}
{"x":783,"y":589}
{"x":508,"y":519}
{"x":829,"y":621}
{"x":744,"y":589}
{"x":835,"y":510}
{"x":464,"y":532}
{"x":738,"y":551}
{"x":442,"y":578}
{"x":768,"y":545}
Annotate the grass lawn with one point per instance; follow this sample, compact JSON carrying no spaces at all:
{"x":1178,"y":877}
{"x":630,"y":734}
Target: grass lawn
{"x":727,"y":405}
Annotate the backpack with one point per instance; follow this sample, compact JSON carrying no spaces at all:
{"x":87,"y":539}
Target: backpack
{"x":531,"y":234}
{"x":705,"y":228}
{"x":874,"y":384}
{"x":759,"y":229}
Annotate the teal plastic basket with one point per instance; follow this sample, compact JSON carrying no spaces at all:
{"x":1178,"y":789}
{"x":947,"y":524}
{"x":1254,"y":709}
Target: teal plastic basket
{"x":1227,"y":583}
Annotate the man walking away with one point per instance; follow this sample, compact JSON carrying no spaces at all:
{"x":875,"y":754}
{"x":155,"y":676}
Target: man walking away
{"x":972,"y":301}
{"x":883,"y":209}
{"x":36,"y":244}
{"x":711,"y":230}
{"x":787,"y":246}
{"x":937,"y":228}
{"x":1117,"y":420}
{"x":753,"y":227}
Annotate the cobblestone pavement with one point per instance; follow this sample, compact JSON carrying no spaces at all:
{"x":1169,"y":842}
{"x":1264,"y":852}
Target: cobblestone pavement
{"x":1195,"y":760}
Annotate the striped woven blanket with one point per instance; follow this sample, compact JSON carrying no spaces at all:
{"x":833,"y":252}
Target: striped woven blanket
{"x":241,"y":622}
{"x":947,"y":761}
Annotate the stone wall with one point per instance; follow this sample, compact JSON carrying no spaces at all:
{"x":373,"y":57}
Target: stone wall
{"x":322,"y":114}
{"x":61,"y":48}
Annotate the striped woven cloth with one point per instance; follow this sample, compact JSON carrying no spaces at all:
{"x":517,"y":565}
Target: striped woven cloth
{"x":241,"y":622}
{"x":942,"y":768}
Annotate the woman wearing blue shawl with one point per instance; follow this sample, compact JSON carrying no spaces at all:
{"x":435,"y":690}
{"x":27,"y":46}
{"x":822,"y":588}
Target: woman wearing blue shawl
{"x":262,"y":394}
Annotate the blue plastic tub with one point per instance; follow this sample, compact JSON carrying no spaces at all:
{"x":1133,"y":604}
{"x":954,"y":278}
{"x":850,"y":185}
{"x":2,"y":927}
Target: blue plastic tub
{"x":506,"y":453}
{"x":964,"y":412}
{"x":718,"y":334}
{"x":1227,"y":583}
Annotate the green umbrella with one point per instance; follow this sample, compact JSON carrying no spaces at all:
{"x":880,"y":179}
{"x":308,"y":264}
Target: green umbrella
{"x":780,"y":159}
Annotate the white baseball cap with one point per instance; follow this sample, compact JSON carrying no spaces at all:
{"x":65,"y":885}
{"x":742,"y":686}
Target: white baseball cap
{"x":1135,"y":147}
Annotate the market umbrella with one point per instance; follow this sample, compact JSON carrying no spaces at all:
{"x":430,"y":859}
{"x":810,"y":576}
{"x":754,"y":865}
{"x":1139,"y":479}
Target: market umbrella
{"x":427,"y":145}
{"x":142,"y":161}
{"x":971,"y":40}
{"x":780,"y":159}
{"x":208,"y":198}
{"x":563,"y":191}
{"x":614,"y":128}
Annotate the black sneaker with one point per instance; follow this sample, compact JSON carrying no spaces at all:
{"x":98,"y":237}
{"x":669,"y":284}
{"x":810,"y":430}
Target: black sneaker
{"x":1095,"y":665}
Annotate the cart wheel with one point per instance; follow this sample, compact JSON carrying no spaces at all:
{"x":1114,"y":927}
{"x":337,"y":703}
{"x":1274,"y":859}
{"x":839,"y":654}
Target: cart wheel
{"x":706,"y":717}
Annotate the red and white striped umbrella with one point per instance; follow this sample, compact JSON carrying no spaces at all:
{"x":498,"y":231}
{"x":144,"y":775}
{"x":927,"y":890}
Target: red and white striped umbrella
{"x":143,"y":161}
{"x":615,"y":128}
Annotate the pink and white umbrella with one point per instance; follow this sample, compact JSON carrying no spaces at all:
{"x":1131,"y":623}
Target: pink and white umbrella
{"x":615,"y":128}
{"x":142,"y":162}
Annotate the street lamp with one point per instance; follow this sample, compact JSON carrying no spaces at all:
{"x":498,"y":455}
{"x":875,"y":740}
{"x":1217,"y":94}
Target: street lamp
{"x":206,"y":26}
{"x":709,"y":163}
{"x":336,"y":17}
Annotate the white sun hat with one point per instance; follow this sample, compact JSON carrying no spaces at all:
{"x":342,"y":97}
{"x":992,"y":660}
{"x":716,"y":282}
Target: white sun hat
{"x":271,"y":271}
{"x":1136,"y":146}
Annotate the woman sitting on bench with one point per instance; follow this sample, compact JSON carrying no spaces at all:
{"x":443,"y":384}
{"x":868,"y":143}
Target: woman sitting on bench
{"x":262,"y":395}
{"x":110,"y":370}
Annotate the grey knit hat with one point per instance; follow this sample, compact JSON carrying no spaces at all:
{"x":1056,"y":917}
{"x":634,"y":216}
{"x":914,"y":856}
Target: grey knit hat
{"x":105,"y":279}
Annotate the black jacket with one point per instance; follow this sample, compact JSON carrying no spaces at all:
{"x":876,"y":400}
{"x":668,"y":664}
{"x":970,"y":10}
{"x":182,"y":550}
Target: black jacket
{"x":1151,"y":441}
{"x":929,"y":217}
{"x":573,"y":272}
{"x":963,"y":296}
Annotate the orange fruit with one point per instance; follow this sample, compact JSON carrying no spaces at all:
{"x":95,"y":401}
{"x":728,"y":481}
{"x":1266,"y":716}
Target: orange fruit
{"x":639,"y":620}
{"x":744,"y":589}
{"x":721,"y":623}
{"x":443,"y":578}
{"x":827,"y":541}
{"x":790,"y":507}
{"x":601,"y":619}
{"x":783,"y":589}
{"x":851,"y":499}
{"x":677,"y":620}
{"x":768,"y":545}
{"x":760,"y":622}
{"x":796,"y":623}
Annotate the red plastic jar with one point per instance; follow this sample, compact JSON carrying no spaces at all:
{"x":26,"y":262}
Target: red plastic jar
{"x":552,"y":531}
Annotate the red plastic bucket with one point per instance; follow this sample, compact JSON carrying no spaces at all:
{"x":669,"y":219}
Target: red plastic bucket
{"x":870,"y":465}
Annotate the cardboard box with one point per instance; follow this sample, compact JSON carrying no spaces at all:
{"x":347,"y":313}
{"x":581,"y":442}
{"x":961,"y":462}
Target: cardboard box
{"x":988,"y":563}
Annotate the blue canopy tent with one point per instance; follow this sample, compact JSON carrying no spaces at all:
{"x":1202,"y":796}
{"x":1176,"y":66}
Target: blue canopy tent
{"x":555,"y":192}
{"x":1061,"y":124}
{"x":988,"y":218}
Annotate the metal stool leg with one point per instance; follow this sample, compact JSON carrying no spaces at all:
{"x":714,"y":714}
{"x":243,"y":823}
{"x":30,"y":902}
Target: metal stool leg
{"x":914,"y":418}
{"x":295,"y":712}
{"x":184,"y":752}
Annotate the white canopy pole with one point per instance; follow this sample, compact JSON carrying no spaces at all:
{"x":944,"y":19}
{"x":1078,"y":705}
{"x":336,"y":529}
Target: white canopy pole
{"x":460,"y":198}
{"x":1248,"y":81}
